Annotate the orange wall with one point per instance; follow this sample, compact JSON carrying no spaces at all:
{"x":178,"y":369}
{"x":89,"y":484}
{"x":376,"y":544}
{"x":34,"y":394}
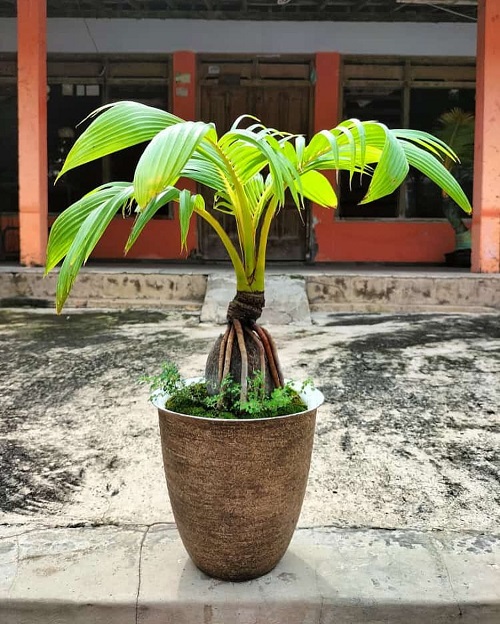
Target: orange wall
{"x":345,"y":241}
{"x":379,"y":241}
{"x":327,"y":107}
{"x":160,"y":239}
{"x":366,"y":241}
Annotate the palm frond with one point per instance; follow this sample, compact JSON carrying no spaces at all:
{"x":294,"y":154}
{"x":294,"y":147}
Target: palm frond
{"x":116,"y":127}
{"x":67,"y":224}
{"x":249,"y":171}
{"x":146,"y":214}
{"x":163,"y":160}
{"x":86,"y":238}
{"x":456,"y":129}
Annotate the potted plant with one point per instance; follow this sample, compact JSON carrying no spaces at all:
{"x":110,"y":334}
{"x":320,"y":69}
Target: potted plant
{"x":456,"y":128}
{"x":236,"y":486}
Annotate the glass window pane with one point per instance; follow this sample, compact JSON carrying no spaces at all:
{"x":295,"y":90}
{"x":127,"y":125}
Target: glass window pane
{"x":66,"y":108}
{"x":426,"y":106}
{"x":8,"y":153}
{"x":373,"y":103}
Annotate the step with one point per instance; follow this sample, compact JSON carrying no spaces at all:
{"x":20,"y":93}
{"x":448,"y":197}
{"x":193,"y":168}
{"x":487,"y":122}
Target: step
{"x":286,"y":300}
{"x":404,"y":291}
{"x":107,"y":287}
{"x":327,"y":289}
{"x":137,"y":574}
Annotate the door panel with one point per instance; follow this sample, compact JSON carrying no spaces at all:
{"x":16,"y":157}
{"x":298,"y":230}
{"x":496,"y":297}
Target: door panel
{"x":222,"y":106}
{"x":279,"y":106}
{"x":286,"y":109}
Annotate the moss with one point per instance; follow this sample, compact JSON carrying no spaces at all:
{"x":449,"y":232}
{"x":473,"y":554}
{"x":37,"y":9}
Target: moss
{"x":194,"y":400}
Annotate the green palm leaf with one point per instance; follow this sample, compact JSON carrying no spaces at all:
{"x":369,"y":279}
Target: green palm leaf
{"x":282,"y":171}
{"x":145,"y":215}
{"x":121,"y":125}
{"x":187,"y":204}
{"x":390,"y":171}
{"x":87,"y":237}
{"x":314,"y":186}
{"x":437,"y":172}
{"x":204,"y":171}
{"x":163,"y":160}
{"x":66,"y":226}
{"x":430,"y":142}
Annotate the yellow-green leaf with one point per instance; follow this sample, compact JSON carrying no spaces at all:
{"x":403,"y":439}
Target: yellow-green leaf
{"x":316,"y":187}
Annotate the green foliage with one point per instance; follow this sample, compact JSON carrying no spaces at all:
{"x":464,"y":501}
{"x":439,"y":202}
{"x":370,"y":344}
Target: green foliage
{"x":249,"y":171}
{"x":194,"y":399}
{"x":456,"y":128}
{"x":167,"y":381}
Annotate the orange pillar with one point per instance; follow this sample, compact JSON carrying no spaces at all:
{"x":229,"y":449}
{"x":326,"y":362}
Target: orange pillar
{"x":184,"y":106}
{"x":327,"y":110}
{"x":32,"y":116}
{"x":486,"y":217}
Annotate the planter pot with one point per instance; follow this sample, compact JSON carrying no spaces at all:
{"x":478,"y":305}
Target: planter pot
{"x":236,"y":486}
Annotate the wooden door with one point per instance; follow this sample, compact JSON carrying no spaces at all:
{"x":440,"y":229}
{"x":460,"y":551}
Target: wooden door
{"x":285,"y":106}
{"x":287,"y":109}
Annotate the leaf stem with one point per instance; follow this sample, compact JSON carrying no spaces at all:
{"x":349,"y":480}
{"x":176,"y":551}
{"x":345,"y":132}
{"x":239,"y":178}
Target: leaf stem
{"x":264,"y":235}
{"x":239,"y":269}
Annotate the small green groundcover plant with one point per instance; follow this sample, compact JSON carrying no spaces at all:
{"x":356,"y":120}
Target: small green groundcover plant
{"x":195,"y":399}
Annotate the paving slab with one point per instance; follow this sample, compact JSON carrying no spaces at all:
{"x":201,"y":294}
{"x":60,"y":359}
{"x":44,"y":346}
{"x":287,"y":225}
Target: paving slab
{"x":70,"y":575}
{"x":108,"y":575}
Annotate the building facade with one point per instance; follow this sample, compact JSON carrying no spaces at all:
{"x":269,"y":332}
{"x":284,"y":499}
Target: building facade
{"x":301,"y":76}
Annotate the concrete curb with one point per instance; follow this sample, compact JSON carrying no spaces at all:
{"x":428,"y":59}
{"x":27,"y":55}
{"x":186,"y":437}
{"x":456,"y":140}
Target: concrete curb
{"x":131,"y":575}
{"x":336,"y":290}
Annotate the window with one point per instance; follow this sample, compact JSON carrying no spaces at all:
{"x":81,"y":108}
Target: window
{"x":426,"y":106}
{"x":68,"y":104}
{"x":384,"y":104}
{"x":8,"y":153}
{"x":404,"y":92}
{"x":77,"y":86}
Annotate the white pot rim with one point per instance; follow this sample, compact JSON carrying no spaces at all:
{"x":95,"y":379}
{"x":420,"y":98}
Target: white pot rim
{"x":312,"y":397}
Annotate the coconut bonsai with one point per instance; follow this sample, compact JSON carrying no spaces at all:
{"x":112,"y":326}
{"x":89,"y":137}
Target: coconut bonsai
{"x":236,"y":486}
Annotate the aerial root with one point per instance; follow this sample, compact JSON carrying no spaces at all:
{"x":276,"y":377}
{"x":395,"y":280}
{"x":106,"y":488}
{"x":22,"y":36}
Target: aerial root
{"x":229,"y":352}
{"x":268,"y":355}
{"x":276,"y":361}
{"x":271,"y":355}
{"x":244,"y":360}
{"x":262,"y":354}
{"x":222,"y":353}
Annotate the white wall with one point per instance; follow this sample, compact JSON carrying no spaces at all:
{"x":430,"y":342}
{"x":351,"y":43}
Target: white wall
{"x":149,"y":35}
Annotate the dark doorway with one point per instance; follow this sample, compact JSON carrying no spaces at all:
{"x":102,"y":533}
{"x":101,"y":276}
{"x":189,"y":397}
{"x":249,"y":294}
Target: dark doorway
{"x":283,"y":104}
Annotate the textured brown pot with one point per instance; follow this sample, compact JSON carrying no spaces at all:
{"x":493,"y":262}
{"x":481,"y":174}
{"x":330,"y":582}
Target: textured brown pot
{"x":236,"y":486}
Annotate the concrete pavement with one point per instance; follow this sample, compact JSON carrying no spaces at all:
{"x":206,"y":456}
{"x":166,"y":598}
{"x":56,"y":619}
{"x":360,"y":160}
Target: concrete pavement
{"x":131,"y":575}
{"x":402,"y":514}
